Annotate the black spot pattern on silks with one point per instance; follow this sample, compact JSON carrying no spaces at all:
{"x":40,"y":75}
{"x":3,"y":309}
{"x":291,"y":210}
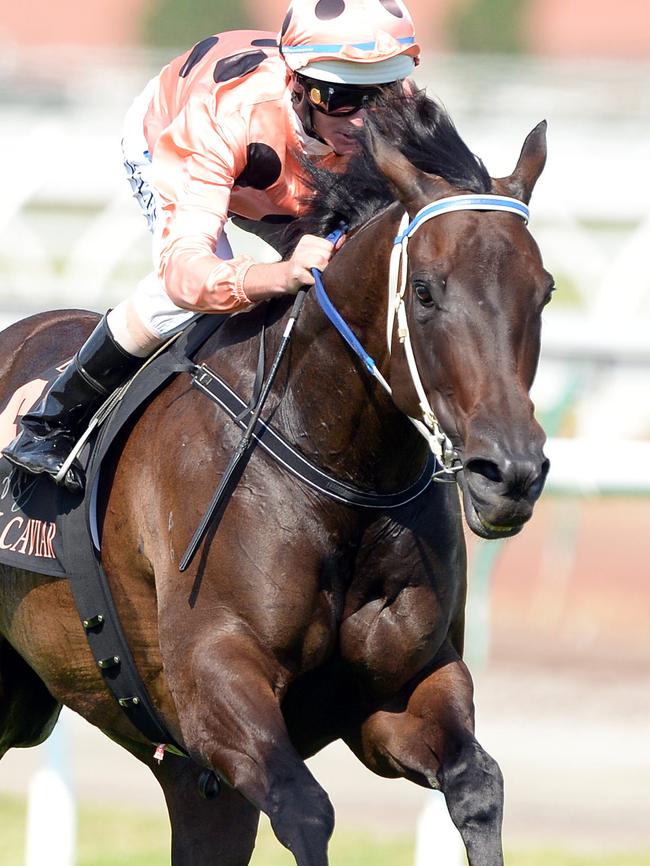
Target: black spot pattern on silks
{"x":392,"y":7}
{"x":263,"y":167}
{"x":265,"y":43}
{"x":197,"y":53}
{"x":286,"y":22}
{"x":237,"y":65}
{"x":328,"y":9}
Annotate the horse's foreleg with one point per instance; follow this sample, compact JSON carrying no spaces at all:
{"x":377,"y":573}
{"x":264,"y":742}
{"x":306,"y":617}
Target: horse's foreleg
{"x":231,"y":721}
{"x":429,"y":738}
{"x":202,"y":829}
{"x":220,"y":831}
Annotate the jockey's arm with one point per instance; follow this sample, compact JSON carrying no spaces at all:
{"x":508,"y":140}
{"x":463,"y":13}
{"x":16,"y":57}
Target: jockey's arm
{"x":195,"y":164}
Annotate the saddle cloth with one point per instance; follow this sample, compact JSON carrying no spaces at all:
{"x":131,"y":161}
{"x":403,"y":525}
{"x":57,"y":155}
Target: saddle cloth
{"x":30,"y":536}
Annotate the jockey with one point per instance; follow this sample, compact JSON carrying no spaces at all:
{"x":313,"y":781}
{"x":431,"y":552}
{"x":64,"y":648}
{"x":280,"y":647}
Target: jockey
{"x":218,"y":133}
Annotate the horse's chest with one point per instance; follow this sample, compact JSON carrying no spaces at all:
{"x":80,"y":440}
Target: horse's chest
{"x":394,"y":638}
{"x":320,"y":635}
{"x":306,"y":634}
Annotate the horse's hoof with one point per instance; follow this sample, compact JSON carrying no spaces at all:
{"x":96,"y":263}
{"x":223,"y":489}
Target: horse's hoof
{"x":209,"y":785}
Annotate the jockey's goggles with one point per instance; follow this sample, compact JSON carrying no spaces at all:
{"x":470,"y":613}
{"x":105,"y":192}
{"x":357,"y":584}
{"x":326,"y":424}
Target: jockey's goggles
{"x":339,"y":100}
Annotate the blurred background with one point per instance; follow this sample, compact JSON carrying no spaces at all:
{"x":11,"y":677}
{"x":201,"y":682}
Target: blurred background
{"x":558,"y":618}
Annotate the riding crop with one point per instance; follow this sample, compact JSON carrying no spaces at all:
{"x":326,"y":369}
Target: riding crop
{"x":246,"y":440}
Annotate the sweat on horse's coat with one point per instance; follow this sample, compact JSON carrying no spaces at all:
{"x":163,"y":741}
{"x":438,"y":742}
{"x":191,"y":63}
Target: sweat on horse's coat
{"x":302,"y":620}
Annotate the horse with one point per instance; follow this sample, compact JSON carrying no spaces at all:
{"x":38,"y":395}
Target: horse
{"x":306,"y":620}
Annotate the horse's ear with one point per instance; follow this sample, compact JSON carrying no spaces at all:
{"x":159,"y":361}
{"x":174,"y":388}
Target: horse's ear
{"x":531,"y":162}
{"x":407,"y":182}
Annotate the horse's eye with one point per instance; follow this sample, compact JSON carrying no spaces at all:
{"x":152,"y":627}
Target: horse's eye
{"x":423,"y":294}
{"x":548,"y":297}
{"x":550,"y":288}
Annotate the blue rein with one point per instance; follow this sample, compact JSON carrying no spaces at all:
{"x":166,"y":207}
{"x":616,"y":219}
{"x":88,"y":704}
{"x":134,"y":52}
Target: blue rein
{"x":333,"y":314}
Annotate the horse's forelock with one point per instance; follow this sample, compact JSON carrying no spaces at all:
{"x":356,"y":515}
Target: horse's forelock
{"x":425,"y":133}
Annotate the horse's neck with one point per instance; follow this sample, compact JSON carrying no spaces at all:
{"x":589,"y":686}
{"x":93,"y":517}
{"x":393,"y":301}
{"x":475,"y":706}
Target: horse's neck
{"x":333,"y":408}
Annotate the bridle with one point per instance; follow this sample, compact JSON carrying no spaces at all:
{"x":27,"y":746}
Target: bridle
{"x":428,"y":424}
{"x":438,"y":440}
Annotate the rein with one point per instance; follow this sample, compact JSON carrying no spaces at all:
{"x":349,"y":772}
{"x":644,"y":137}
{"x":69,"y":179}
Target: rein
{"x":428,"y":426}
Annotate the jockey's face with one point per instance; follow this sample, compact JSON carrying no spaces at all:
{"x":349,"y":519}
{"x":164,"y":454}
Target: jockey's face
{"x":335,"y":129}
{"x":338,"y":131}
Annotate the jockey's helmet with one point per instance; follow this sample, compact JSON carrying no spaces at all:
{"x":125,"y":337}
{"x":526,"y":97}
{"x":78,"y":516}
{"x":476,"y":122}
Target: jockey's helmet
{"x":349,"y":42}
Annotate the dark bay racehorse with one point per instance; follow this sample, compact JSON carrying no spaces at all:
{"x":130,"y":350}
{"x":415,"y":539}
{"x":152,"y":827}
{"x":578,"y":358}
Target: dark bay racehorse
{"x":304,"y":620}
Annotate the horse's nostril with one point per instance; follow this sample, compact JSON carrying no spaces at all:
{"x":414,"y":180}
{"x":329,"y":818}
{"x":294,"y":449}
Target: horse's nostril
{"x":538,"y":481}
{"x":486,"y":468}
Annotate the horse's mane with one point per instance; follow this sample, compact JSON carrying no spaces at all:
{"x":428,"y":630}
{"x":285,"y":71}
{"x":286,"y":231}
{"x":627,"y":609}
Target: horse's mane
{"x":423,"y":131}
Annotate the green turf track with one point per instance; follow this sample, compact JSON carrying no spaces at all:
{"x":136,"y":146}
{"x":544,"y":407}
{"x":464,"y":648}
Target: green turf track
{"x":115,"y":837}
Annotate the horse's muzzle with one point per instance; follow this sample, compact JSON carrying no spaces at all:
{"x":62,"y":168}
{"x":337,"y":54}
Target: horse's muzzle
{"x":500,"y":491}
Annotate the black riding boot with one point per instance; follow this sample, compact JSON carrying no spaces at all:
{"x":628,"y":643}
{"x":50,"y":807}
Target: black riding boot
{"x":50,"y":430}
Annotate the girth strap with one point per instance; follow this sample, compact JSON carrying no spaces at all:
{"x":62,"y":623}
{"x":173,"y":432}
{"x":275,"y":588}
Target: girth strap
{"x":207,"y":381}
{"x":101,"y":623}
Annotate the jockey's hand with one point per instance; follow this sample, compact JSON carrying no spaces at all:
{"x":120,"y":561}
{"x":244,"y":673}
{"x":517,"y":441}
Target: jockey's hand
{"x":282,"y":278}
{"x":311,"y":252}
